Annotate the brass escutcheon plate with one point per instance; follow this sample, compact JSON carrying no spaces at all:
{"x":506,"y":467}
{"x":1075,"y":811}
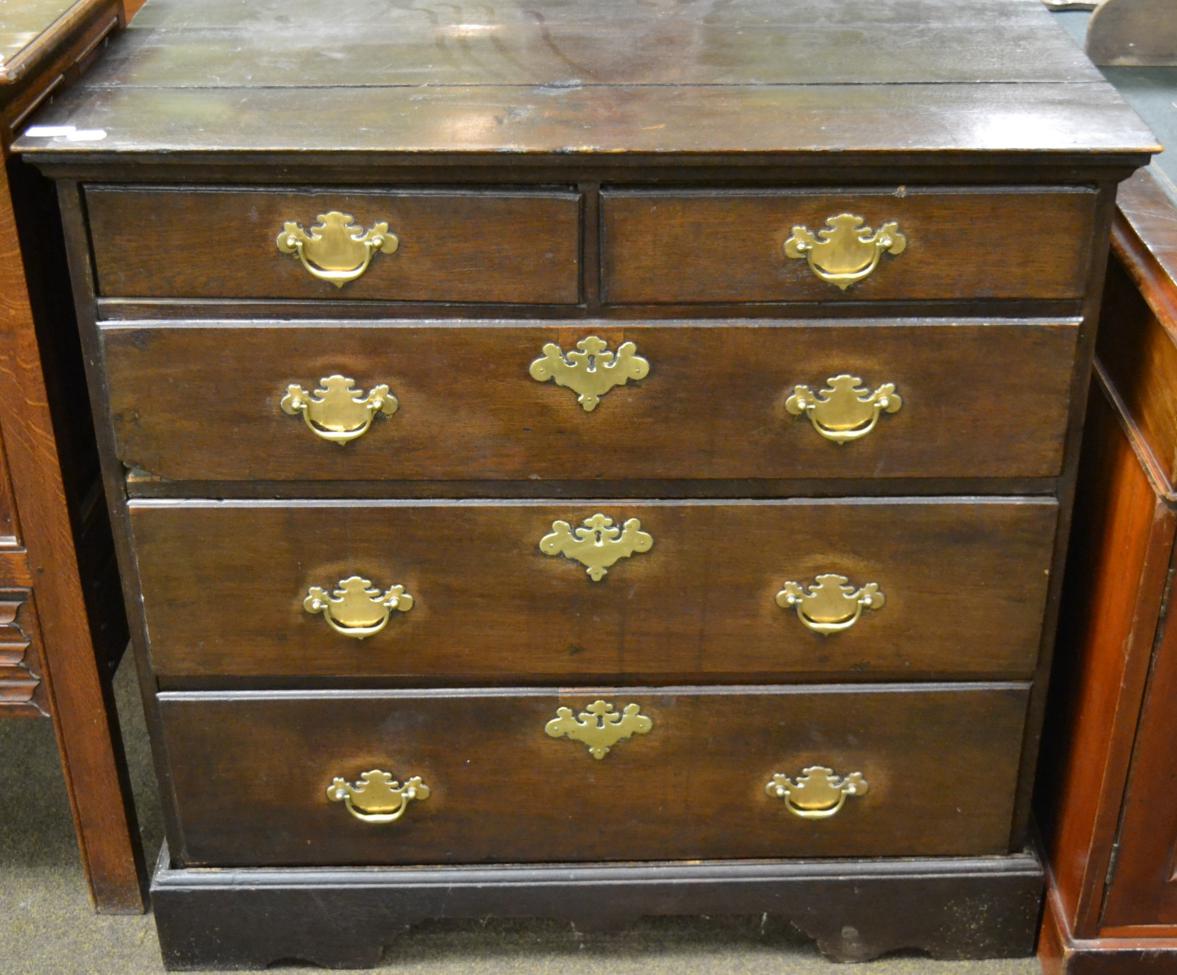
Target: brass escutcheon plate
{"x":599,"y":726}
{"x":592,"y":370}
{"x":597,"y":542}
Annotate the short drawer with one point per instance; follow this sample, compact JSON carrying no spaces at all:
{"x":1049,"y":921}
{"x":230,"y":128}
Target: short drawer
{"x":476,"y":246}
{"x":507,"y":776}
{"x":507,"y":593}
{"x":752,"y":246}
{"x":517,"y":401}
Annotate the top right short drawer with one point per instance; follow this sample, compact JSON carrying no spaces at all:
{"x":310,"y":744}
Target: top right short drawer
{"x":895,"y":244}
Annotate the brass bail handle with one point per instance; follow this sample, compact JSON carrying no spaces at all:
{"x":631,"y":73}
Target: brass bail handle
{"x":830,"y":604}
{"x":336,"y":249}
{"x":845,"y":251}
{"x":377,"y":798}
{"x":845,"y":410}
{"x":356,"y":608}
{"x":336,"y":411}
{"x":818,"y":792}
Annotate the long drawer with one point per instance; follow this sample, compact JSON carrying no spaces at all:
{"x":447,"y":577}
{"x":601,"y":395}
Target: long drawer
{"x":469,"y":776}
{"x":515,"y":401}
{"x":444,"y":246}
{"x":903,"y":243}
{"x":506,"y":592}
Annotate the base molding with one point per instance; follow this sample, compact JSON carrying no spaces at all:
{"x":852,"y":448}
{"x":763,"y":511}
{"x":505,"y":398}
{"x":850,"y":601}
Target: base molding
{"x":952,"y":908}
{"x":1061,"y":953}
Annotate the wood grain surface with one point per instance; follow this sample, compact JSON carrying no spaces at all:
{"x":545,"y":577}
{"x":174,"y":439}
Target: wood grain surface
{"x":666,"y":247}
{"x":490,"y":246}
{"x":559,"y":78}
{"x":223,"y":585}
{"x":1123,"y":540}
{"x":1138,"y":348}
{"x":979,"y":400}
{"x":250,"y":774}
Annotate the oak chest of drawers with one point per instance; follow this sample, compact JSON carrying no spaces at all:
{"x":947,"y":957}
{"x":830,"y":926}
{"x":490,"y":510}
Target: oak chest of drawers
{"x":591,"y":460}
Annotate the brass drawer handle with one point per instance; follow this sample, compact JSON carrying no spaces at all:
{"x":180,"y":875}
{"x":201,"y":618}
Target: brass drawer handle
{"x":377,"y":797}
{"x":817,"y":793}
{"x":336,"y":411}
{"x":596,"y":543}
{"x":830,"y":604}
{"x":336,"y":249}
{"x":845,"y":251}
{"x":592,"y":370}
{"x":356,"y":608}
{"x":845,"y":410}
{"x":599,"y":726}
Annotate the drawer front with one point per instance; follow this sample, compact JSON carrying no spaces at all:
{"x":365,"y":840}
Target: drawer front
{"x":946,"y":244}
{"x":713,"y":590}
{"x":450,"y":246}
{"x":685,"y":775}
{"x":487,"y":402}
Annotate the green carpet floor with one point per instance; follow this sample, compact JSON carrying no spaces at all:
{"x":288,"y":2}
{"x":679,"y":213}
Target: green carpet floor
{"x":47,"y":927}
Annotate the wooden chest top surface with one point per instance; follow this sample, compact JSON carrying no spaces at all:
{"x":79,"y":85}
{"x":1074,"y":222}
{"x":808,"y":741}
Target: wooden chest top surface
{"x":560,"y":77}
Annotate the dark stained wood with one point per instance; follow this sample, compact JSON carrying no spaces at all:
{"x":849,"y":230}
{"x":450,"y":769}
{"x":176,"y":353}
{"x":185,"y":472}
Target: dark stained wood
{"x":489,"y":122}
{"x":504,"y":791}
{"x":58,"y":640}
{"x":490,"y":246}
{"x":855,"y":911}
{"x":223,"y":585}
{"x":555,"y":78}
{"x":985,"y":400}
{"x":717,"y":119}
{"x":612,"y":42}
{"x":673,"y":246}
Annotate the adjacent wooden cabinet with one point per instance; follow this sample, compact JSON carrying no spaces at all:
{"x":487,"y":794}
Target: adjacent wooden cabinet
{"x":1108,"y":793}
{"x":62,"y":627}
{"x":591,"y":460}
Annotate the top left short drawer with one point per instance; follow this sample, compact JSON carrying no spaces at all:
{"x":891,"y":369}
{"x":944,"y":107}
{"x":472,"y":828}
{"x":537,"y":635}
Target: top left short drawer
{"x":438,"y":246}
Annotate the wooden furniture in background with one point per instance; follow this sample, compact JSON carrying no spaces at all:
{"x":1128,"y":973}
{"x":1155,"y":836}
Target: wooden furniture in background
{"x":62,"y":629}
{"x":345,"y":325}
{"x":1108,"y":794}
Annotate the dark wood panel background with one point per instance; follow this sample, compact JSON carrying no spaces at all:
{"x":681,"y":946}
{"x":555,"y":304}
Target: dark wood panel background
{"x":250,"y":775}
{"x":455,"y":246}
{"x":730,"y":246}
{"x":979,"y":401}
{"x":965,"y":582}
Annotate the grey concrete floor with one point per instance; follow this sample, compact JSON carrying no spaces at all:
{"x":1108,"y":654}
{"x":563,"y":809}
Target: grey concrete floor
{"x":47,"y":927}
